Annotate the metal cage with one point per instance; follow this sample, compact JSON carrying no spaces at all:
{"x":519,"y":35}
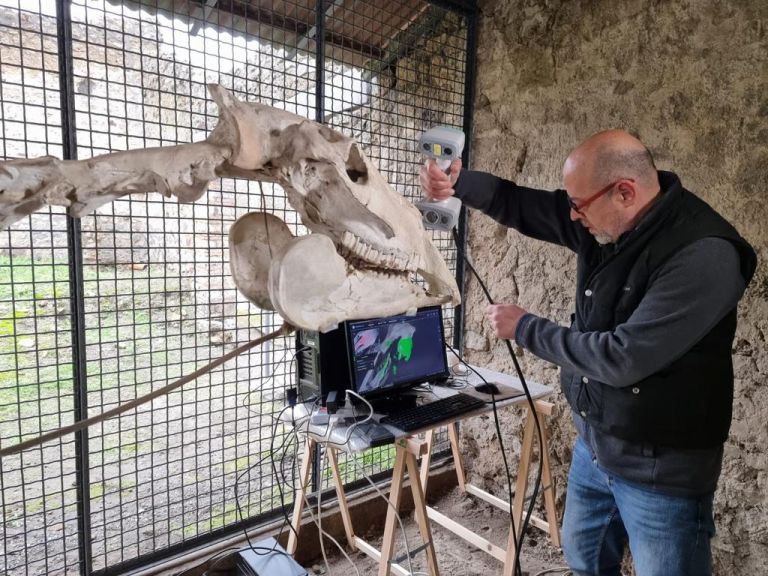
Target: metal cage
{"x":98,"y":311}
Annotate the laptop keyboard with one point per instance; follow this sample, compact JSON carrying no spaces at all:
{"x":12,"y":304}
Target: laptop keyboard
{"x":437,"y":411}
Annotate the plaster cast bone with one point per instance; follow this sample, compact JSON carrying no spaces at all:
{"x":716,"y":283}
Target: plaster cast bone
{"x":374,"y":239}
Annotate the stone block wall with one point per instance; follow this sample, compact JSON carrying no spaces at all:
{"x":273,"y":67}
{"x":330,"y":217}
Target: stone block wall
{"x":690,"y":78}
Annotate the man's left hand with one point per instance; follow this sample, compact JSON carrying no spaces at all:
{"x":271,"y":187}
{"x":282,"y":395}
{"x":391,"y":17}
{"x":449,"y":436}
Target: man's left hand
{"x":504,"y":319}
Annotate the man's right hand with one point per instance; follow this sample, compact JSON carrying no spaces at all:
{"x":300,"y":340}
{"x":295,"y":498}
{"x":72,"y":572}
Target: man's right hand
{"x":436,"y":184}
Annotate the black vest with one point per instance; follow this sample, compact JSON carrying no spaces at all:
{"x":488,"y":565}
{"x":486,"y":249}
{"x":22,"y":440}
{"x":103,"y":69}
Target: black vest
{"x":688,"y":403}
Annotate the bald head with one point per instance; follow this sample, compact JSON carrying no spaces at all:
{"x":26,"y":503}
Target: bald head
{"x":612,"y":181}
{"x":610,"y":155}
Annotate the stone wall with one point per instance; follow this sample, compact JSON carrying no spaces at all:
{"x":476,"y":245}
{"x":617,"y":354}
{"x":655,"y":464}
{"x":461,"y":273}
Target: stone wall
{"x":690,"y":79}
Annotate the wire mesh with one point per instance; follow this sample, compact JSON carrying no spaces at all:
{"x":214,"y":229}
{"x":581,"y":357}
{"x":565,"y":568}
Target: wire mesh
{"x":386,"y":101}
{"x":39,"y":502}
{"x":158,"y":298}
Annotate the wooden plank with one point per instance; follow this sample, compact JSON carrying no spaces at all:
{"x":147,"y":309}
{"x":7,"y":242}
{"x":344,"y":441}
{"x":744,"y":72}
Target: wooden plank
{"x":458,"y":463}
{"x":504,"y":505}
{"x":298,"y":505}
{"x":346,"y":518}
{"x":426,"y":460}
{"x":395,"y":492}
{"x":373,"y":553}
{"x":415,"y":446}
{"x":420,"y":511}
{"x":549,"y":486}
{"x":466,"y":534}
{"x":488,"y":497}
{"x":544,"y":407}
{"x":520,"y":489}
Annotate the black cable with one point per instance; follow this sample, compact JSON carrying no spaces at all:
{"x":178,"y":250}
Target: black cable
{"x":503,"y":456}
{"x":282,"y":448}
{"x":272,"y":376}
{"x":537,"y":484}
{"x":257,"y":549}
{"x":219,"y":556}
{"x":248,"y":471}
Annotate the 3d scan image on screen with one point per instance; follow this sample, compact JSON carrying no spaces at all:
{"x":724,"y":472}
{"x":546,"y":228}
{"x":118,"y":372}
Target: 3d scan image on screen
{"x":388,"y":353}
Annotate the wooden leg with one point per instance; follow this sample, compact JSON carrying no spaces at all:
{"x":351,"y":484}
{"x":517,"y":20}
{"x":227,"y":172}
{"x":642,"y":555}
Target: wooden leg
{"x":298,"y":504}
{"x":521,"y":487}
{"x":426,"y":460}
{"x":458,"y":463}
{"x":396,"y":491}
{"x":549,"y":485}
{"x":420,"y":509}
{"x":345,"y":516}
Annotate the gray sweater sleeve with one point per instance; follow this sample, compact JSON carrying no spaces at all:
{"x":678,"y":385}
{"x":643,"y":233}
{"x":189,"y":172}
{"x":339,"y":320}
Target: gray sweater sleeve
{"x":691,"y":292}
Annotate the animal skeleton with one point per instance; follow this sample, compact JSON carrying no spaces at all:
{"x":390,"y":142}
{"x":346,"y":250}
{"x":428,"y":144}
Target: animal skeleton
{"x":366,"y":244}
{"x":367,"y":241}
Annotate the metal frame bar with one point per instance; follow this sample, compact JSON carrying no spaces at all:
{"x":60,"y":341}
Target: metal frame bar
{"x":463,"y":225}
{"x":319,"y":117}
{"x":77,"y":298}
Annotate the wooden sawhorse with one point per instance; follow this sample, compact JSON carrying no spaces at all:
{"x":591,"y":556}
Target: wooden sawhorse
{"x":550,"y":525}
{"x":406,"y":452}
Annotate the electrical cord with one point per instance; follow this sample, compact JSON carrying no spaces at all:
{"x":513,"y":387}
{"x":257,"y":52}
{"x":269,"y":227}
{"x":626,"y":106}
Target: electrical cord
{"x":283,"y":448}
{"x":368,"y":418}
{"x":248,"y":471}
{"x":323,"y":444}
{"x":271,"y":377}
{"x":219,"y":556}
{"x":326,"y":444}
{"x":562,"y":570}
{"x":397,"y":515}
{"x":318,"y":522}
{"x":518,"y":538}
{"x":501,"y":448}
{"x":286,"y":520}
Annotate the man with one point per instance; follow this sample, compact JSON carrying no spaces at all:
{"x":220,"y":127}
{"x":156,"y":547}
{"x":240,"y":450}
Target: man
{"x":646,"y":363}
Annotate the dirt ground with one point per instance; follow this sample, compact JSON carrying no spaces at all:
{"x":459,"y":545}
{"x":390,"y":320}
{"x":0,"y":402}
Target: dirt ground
{"x":455,"y":557}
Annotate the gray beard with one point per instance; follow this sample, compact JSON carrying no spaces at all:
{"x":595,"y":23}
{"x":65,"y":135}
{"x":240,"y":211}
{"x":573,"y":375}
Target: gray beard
{"x":603,"y":239}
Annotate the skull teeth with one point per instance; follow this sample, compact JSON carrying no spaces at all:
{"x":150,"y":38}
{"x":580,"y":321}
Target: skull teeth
{"x":363,"y":255}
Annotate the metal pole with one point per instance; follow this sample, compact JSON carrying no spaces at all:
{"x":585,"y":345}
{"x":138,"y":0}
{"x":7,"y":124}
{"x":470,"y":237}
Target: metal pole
{"x":77,"y":308}
{"x":466,"y":159}
{"x":464,"y":7}
{"x":319,"y":115}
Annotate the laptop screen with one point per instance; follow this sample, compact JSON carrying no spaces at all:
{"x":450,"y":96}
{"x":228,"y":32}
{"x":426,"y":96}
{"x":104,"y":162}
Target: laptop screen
{"x":397,"y":351}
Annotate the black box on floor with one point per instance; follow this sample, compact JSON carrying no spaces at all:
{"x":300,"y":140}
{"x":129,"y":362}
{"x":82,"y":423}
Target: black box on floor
{"x":268,"y":559}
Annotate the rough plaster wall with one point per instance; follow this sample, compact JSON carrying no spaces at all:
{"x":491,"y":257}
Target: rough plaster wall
{"x":690,"y":79}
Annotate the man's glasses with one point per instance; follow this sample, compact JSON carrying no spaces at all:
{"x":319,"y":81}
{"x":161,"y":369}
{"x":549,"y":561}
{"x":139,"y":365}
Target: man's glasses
{"x":579,"y":207}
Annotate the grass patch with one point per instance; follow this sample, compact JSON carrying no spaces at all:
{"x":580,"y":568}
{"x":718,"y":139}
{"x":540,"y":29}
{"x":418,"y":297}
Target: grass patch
{"x":34,"y":506}
{"x":220,"y":516}
{"x":371,"y":461}
{"x":32,"y":280}
{"x":237,"y":465}
{"x":123,"y":318}
{"x":8,"y":325}
{"x":96,"y":490}
{"x":127,"y":486}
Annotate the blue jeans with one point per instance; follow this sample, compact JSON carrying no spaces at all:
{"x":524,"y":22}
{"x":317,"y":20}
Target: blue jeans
{"x":668,"y":535}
